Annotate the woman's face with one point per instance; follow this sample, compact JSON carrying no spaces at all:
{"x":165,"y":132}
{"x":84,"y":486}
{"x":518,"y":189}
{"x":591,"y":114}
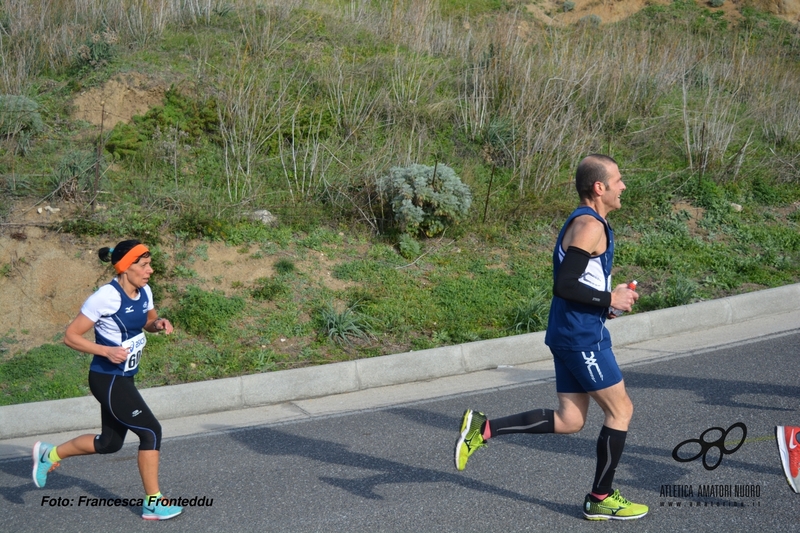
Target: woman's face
{"x":138,"y":273}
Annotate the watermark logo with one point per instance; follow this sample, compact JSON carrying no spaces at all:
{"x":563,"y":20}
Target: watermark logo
{"x":707,"y":446}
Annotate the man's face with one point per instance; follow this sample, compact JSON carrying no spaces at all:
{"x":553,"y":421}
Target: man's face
{"x":612,"y":189}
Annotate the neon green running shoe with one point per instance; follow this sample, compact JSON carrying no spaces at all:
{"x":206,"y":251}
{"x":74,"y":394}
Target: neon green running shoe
{"x":470,"y":438}
{"x":614,"y":507}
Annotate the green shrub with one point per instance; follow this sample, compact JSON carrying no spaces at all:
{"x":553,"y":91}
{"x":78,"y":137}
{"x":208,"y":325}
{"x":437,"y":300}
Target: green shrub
{"x":409,"y":246}
{"x":195,"y":223}
{"x":180,"y":113}
{"x":18,"y":114}
{"x":677,"y":290}
{"x":20,"y":118}
{"x":206,"y":313}
{"x":716,"y":3}
{"x":125,"y":140}
{"x":119,"y":220}
{"x":97,"y":50}
{"x":569,"y":5}
{"x":342,"y":327}
{"x":590,"y":20}
{"x":267,"y":289}
{"x":284,"y":266}
{"x":680,"y":290}
{"x":531,"y":316}
{"x":766,"y":193}
{"x":75,"y":174}
{"x":424,"y":198}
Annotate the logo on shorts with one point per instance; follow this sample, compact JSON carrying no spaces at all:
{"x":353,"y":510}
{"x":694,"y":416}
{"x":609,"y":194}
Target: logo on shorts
{"x":592,"y":362}
{"x":136,"y":412}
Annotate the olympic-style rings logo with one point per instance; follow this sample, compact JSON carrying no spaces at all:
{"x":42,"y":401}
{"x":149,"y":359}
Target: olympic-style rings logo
{"x":705,"y":446}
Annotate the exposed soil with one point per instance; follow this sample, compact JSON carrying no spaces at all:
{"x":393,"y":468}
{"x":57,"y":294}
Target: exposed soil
{"x":121,"y":97}
{"x":552,"y":11}
{"x":46,"y":276}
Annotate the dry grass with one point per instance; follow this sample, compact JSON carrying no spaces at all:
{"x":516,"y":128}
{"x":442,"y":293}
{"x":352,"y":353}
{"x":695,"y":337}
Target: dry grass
{"x":537,"y":99}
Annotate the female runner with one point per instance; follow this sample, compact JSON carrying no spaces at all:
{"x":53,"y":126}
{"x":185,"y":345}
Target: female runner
{"x":119,"y":312}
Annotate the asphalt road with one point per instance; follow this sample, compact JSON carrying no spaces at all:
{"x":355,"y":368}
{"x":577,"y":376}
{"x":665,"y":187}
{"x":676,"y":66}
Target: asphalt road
{"x":392,"y":469}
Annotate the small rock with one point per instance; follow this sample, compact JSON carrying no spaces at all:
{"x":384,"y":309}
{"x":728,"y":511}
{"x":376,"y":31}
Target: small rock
{"x":264,"y":216}
{"x":736,"y":207}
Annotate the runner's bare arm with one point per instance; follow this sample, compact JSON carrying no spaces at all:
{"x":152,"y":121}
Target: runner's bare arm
{"x":73,"y":337}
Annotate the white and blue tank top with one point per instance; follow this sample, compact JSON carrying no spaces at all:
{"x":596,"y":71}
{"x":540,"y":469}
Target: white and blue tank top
{"x":576,"y":326}
{"x":119,"y":320}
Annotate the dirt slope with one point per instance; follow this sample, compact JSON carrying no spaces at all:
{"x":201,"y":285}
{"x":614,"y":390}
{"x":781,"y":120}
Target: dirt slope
{"x":552,"y":11}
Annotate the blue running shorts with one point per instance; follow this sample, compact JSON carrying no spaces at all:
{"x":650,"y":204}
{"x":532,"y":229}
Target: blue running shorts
{"x":585,"y":371}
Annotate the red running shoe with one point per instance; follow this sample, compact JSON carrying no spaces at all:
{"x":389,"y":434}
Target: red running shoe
{"x":789,"y":449}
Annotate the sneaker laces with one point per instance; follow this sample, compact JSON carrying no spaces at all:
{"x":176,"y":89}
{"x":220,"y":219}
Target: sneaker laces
{"x":474,"y":438}
{"x":617,"y":496}
{"x":474,"y":431}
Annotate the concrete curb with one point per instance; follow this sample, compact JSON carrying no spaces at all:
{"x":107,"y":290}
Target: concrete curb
{"x":298,"y":384}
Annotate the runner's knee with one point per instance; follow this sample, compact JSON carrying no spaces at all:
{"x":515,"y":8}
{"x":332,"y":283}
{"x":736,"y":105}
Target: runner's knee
{"x":149,"y":437}
{"x":569,"y":421}
{"x":620,"y":412}
{"x":107,"y":443}
{"x":626,"y":409}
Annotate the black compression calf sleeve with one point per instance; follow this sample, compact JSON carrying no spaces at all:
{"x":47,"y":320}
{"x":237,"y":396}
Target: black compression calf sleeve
{"x":610,"y":444}
{"x":538,"y":421}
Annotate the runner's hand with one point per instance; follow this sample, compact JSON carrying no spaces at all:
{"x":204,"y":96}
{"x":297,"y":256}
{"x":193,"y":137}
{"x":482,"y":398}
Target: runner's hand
{"x":116,"y":354}
{"x":162,"y":324}
{"x":623,"y":297}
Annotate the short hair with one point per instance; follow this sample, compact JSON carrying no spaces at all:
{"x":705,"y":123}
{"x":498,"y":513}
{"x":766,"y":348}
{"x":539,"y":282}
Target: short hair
{"x":591,"y":169}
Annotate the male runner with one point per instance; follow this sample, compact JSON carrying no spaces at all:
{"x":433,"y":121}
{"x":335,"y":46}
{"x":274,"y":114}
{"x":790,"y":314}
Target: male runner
{"x":580,"y":343}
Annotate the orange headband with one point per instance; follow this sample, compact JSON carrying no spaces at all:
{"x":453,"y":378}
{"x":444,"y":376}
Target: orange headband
{"x":130,"y":258}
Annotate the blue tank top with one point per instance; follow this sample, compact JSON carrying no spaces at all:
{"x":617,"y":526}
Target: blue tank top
{"x":576,"y":326}
{"x":128,"y":322}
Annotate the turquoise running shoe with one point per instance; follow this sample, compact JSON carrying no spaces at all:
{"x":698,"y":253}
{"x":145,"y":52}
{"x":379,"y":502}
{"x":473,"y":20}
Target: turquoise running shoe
{"x":470,"y":439}
{"x":42,"y":465}
{"x":160,"y":510}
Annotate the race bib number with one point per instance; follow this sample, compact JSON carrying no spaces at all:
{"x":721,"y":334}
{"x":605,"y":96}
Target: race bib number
{"x":135,"y":347}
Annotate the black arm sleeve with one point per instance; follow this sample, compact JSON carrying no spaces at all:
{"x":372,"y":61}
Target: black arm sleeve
{"x":569,"y":288}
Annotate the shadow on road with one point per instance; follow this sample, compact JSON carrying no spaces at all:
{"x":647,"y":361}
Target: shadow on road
{"x":272,"y":442}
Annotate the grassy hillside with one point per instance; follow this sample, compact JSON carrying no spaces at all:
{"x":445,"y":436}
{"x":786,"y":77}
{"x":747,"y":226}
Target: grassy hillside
{"x":301,"y":107}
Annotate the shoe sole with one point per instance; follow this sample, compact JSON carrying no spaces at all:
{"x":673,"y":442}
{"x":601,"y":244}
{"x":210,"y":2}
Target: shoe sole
{"x":611,"y":517}
{"x":784,"y":453}
{"x":159,"y":517}
{"x":460,"y":439}
{"x":36,"y":464}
